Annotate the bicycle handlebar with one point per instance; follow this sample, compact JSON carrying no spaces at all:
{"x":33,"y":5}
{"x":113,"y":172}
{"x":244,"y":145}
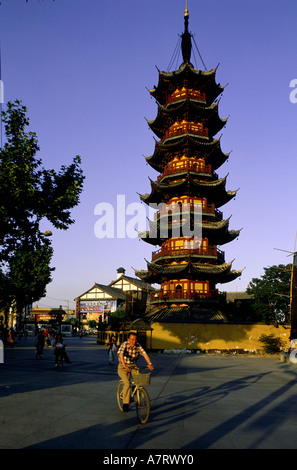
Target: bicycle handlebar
{"x":134,"y":366}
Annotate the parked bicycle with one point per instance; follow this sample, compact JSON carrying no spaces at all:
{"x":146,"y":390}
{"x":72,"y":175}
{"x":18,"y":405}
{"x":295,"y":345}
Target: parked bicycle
{"x":139,"y":395}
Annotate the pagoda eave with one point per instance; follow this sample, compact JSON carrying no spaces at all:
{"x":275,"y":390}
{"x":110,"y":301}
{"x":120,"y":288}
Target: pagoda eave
{"x":231,"y":276}
{"x":191,"y":108}
{"x":201,"y":79}
{"x":217,"y":232}
{"x":209,"y":150}
{"x":192,"y":271}
{"x":214,"y":190}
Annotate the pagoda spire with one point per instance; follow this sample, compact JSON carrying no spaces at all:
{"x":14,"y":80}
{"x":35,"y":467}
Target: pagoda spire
{"x":186,"y":44}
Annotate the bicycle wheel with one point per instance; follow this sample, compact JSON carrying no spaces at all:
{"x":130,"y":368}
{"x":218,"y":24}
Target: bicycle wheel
{"x":120,"y":395}
{"x":59,"y":360}
{"x":143,"y":405}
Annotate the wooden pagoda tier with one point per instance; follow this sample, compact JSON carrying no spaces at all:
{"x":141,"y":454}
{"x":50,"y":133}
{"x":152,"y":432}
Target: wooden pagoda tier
{"x":216,"y":232}
{"x":188,"y":145}
{"x":187,"y":155}
{"x":189,"y":184}
{"x":200,"y":120}
{"x":187,"y":82}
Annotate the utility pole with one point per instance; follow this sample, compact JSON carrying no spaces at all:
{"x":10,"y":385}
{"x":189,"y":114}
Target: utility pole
{"x":293,"y":292}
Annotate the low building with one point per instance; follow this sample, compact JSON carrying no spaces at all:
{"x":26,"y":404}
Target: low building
{"x":97,"y":303}
{"x":137,"y":293}
{"x":42,"y":314}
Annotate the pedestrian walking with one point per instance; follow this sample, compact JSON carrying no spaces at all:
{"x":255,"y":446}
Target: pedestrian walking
{"x":39,"y":340}
{"x":11,"y":337}
{"x":112,"y":350}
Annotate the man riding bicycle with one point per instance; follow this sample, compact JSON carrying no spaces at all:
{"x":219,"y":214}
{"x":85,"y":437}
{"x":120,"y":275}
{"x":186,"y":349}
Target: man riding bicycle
{"x":128,"y":354}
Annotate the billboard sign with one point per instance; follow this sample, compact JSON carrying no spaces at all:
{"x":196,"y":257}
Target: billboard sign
{"x":91,"y":309}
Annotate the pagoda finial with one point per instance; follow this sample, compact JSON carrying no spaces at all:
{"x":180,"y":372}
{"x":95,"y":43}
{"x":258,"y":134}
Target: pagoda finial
{"x":186,"y":37}
{"x":186,"y":10}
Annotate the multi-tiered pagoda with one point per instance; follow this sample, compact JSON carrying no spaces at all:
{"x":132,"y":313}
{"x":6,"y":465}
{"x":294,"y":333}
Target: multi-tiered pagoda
{"x":187,"y":155}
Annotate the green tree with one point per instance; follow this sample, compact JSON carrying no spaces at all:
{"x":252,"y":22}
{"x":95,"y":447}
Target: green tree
{"x":30,"y":194}
{"x":116,"y":318}
{"x":92,"y":324}
{"x":271,"y":294}
{"x":29,"y":273}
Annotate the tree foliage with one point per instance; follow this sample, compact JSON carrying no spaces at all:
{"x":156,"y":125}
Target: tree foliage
{"x":117,"y":317}
{"x":30,"y":194}
{"x":29,"y":273}
{"x":271,"y":294}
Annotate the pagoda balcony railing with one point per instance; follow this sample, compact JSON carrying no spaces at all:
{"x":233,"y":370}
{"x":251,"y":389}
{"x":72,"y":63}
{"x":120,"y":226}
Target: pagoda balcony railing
{"x":184,"y":295}
{"x":179,"y":251}
{"x":176,"y":214}
{"x":187,"y":128}
{"x":185,"y":93}
{"x":179,"y":208}
{"x":188,"y":165}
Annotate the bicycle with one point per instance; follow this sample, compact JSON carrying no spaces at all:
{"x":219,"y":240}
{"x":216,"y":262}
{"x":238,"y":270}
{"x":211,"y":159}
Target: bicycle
{"x":59,"y":358}
{"x":138,"y":394}
{"x":39,"y":351}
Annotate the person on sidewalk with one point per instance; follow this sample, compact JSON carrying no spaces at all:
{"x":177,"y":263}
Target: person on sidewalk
{"x":112,"y":350}
{"x":39,"y":341}
{"x":128,"y":355}
{"x":11,"y":337}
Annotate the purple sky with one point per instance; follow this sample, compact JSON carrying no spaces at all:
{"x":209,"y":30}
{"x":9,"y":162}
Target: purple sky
{"x":82,"y":68}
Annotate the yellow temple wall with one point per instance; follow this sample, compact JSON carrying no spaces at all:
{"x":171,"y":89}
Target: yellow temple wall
{"x":208,"y":337}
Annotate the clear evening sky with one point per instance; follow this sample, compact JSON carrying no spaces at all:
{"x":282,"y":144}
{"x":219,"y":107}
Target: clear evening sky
{"x":82,"y":67}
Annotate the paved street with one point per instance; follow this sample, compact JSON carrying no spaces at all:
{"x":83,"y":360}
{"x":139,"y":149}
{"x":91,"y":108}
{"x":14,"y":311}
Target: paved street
{"x":198,"y":402}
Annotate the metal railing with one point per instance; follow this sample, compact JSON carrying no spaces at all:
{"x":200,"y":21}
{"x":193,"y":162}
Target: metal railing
{"x":187,"y":128}
{"x":186,"y":93}
{"x":177,"y":167}
{"x":184,"y":295}
{"x":202,"y":250}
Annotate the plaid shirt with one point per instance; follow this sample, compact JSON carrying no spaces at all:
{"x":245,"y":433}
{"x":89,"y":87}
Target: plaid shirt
{"x":131,"y":354}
